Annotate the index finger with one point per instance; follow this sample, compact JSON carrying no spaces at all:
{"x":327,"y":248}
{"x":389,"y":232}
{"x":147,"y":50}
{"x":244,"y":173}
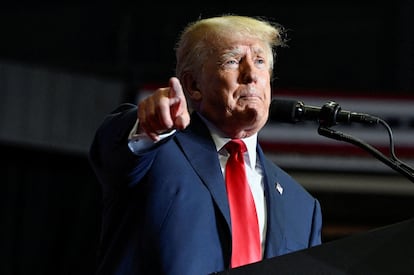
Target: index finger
{"x":176,"y":90}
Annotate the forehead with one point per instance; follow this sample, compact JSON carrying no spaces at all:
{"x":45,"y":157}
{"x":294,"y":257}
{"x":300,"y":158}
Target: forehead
{"x":241,"y":45}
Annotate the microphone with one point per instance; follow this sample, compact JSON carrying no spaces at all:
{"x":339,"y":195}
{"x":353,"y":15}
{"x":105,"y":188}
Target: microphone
{"x":293,"y":111}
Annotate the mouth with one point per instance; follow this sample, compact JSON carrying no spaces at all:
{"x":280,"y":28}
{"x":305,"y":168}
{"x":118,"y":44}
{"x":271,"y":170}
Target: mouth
{"x":249,"y":97}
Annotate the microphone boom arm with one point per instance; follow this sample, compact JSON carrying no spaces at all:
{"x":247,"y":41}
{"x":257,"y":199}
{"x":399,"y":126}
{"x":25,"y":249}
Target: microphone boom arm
{"x":393,"y":162}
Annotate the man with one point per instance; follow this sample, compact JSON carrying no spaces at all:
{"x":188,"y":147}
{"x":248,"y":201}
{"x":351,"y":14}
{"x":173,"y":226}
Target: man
{"x":162,"y":165}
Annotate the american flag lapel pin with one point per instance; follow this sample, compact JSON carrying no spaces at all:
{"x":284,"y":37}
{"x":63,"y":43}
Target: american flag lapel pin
{"x":279,"y":188}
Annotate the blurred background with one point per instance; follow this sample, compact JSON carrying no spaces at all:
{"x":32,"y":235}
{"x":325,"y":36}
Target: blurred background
{"x":64,"y":66}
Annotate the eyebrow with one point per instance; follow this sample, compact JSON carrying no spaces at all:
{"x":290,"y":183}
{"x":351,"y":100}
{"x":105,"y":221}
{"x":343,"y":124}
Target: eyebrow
{"x":237,"y":51}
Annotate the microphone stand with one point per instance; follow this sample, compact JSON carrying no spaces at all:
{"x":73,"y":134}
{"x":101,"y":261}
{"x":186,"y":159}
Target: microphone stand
{"x":392,"y":162}
{"x":328,"y":117}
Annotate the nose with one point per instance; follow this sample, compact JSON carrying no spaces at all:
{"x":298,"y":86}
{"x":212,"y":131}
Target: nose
{"x":247,"y":72}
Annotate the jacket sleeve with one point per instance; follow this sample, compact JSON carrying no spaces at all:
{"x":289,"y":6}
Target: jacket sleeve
{"x":110,"y":156}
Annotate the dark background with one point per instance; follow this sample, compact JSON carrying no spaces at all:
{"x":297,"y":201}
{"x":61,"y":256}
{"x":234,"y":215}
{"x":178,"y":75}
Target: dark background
{"x":340,"y":46}
{"x":50,"y":199}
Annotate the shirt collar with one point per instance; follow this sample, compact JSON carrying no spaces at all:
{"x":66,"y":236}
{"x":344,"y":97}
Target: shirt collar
{"x":220,"y":141}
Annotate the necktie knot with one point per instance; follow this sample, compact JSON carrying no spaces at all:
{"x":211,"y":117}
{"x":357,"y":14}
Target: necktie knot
{"x":236,"y":146}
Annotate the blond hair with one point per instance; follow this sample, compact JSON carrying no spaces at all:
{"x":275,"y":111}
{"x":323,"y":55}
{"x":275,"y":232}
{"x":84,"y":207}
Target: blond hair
{"x":197,"y":38}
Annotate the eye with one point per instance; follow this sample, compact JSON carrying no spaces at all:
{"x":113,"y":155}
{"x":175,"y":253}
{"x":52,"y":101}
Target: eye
{"x":260,"y":62}
{"x":231,"y":63}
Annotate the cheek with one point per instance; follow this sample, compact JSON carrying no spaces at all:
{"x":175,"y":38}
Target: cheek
{"x":264,"y":79}
{"x":216,"y":90}
{"x":266,"y":87}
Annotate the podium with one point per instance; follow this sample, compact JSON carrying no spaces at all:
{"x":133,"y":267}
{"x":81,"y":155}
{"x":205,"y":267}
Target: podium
{"x":386,"y":250}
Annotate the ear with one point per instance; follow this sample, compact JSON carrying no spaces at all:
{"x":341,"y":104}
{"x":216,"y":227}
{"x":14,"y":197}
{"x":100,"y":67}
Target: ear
{"x":190,"y":85}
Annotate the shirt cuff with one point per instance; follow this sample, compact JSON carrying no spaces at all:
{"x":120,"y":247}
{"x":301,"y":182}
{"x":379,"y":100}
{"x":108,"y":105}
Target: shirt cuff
{"x":140,"y":142}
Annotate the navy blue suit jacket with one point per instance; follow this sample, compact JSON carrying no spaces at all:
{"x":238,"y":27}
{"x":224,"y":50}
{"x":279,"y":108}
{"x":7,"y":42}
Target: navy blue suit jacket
{"x":165,"y":211}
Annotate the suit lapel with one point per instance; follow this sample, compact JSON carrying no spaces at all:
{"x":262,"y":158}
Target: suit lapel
{"x":201,"y":152}
{"x":275,"y":235}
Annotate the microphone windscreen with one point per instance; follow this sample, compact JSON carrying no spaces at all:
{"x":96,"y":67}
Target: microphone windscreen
{"x":283,"y":110}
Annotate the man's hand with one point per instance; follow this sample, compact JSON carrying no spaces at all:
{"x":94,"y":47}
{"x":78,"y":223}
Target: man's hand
{"x":164,"y":110}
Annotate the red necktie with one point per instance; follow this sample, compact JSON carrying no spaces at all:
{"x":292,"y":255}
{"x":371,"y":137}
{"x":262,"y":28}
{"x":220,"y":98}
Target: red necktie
{"x":246,"y":247}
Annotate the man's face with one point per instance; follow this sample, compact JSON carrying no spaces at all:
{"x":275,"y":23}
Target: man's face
{"x":235,"y":87}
